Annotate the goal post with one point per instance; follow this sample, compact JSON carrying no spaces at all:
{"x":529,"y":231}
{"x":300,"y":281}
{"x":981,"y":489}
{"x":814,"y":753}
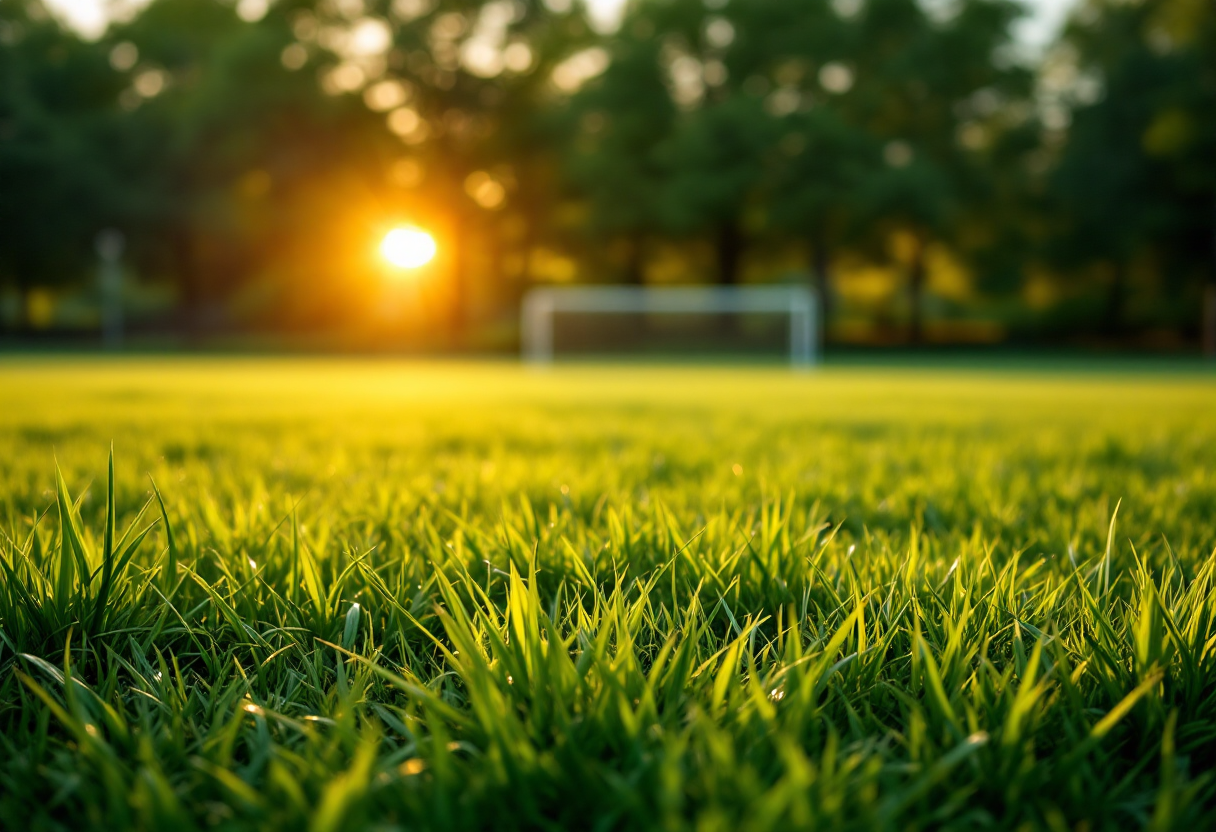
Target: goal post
{"x":541,"y":305}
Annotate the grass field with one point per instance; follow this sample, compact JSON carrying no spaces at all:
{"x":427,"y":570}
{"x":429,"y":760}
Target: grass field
{"x":382,"y":595}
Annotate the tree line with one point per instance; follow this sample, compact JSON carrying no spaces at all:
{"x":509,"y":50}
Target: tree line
{"x":249,"y":151}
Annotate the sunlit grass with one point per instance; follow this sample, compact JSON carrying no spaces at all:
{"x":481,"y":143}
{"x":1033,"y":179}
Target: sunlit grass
{"x":392,"y":595}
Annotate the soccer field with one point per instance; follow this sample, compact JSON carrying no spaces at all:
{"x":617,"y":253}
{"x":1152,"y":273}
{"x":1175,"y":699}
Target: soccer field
{"x":376,"y":594}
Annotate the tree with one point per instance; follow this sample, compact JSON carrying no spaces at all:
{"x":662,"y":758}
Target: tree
{"x":620,"y":121}
{"x":251,"y":177}
{"x":714,"y":164}
{"x":58,"y":190}
{"x":682,"y":145}
{"x":819,"y":159}
{"x":822,"y":165}
{"x":1136,"y":182}
{"x":924,"y":88}
{"x":473,"y":123}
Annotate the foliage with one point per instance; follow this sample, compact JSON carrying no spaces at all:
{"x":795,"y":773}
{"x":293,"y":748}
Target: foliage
{"x":254,"y":154}
{"x":1134,"y":182}
{"x":460,"y":596}
{"x":55,"y":111}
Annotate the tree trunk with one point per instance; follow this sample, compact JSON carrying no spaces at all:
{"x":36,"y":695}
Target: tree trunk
{"x":1116,"y":299}
{"x":495,"y":289}
{"x":1209,"y":320}
{"x":524,"y":281}
{"x":462,"y":229}
{"x":5,"y":330}
{"x":730,"y":252}
{"x":1209,"y":301}
{"x":193,"y":291}
{"x":916,"y":294}
{"x":24,"y":324}
{"x":458,"y":311}
{"x":821,"y":268}
{"x":635,"y":268}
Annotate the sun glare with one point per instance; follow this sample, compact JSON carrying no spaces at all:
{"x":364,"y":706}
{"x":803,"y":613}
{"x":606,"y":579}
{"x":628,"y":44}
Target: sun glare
{"x":408,"y":247}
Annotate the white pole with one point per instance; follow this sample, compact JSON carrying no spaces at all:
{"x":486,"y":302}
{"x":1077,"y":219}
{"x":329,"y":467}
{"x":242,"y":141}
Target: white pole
{"x":110,"y":244}
{"x":802,"y":328}
{"x":536,"y":327}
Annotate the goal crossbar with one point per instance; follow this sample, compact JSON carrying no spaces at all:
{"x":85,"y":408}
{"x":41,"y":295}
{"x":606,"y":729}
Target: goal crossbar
{"x":540,"y":306}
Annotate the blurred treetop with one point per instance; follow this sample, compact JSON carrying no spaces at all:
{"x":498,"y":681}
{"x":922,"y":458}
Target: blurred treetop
{"x":249,"y":151}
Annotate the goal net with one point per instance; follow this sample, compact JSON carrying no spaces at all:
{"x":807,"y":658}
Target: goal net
{"x":542,"y":306}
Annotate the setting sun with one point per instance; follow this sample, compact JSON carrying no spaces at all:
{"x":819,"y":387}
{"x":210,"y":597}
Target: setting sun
{"x":407,"y":247}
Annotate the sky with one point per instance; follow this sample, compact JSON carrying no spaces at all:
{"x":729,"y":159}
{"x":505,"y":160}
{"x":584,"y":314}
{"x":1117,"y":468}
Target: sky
{"x":89,"y":16}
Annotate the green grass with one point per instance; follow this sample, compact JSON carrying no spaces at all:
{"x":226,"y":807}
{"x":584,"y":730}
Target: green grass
{"x":379,"y":595}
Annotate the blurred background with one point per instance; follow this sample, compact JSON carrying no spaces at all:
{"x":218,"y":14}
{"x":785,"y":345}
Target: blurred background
{"x":371,"y":174}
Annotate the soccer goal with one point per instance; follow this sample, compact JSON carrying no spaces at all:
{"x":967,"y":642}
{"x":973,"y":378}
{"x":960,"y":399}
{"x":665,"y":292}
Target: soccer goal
{"x":541,"y":306}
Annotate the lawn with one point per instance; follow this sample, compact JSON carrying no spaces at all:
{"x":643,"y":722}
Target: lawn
{"x":386,"y":595}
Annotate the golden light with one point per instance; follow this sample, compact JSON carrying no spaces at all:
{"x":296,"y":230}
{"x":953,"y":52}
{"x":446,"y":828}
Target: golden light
{"x":407,"y":247}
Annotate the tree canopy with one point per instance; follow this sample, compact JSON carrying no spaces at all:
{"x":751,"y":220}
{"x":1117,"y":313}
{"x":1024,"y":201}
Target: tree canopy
{"x":250,"y":153}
